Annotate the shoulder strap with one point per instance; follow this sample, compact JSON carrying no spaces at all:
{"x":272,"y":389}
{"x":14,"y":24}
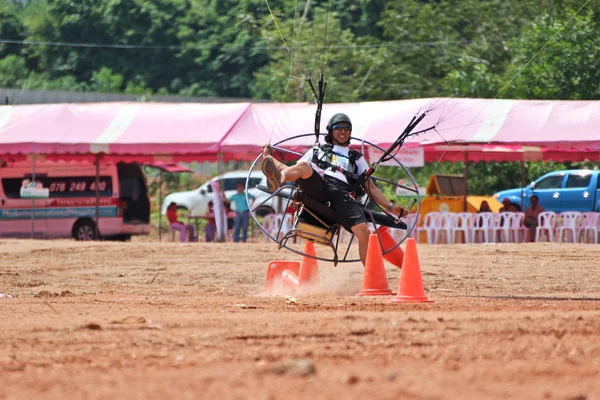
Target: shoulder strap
{"x":354,"y":156}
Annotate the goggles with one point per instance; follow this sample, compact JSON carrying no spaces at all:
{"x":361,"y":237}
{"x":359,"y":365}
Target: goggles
{"x":340,"y":127}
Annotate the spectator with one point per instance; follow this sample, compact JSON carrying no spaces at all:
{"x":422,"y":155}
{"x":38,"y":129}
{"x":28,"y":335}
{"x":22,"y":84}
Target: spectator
{"x":531,"y":217}
{"x":211,"y":224}
{"x":485,"y":207}
{"x":291,"y":209}
{"x":177,"y":225}
{"x":230,"y":219}
{"x":242,"y":213}
{"x":507,"y":206}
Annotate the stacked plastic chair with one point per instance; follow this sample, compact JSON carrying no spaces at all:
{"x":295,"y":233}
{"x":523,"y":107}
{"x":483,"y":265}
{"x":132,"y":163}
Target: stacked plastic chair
{"x":517,"y":231}
{"x":483,"y":227}
{"x":590,"y":227}
{"x":502,"y":227}
{"x":463,"y":223}
{"x":444,"y":229}
{"x":431,"y":223}
{"x":570,"y":225}
{"x":546,"y":226}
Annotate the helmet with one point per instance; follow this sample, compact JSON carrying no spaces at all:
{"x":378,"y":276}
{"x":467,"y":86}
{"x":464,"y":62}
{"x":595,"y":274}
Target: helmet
{"x":336,"y":119}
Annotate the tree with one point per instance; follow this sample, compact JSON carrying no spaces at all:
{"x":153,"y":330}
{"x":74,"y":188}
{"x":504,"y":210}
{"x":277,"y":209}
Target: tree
{"x":568,"y":68}
{"x":430,"y":44}
{"x":223,"y":47}
{"x":11,"y":28}
{"x":313,"y":46}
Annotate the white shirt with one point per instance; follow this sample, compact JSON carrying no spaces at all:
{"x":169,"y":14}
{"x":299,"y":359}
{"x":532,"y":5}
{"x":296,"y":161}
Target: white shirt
{"x":340,"y":159}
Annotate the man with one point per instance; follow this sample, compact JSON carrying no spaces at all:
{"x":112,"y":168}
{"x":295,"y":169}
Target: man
{"x":242,"y":215}
{"x":507,"y":206}
{"x":531,"y":217}
{"x":329,"y":177}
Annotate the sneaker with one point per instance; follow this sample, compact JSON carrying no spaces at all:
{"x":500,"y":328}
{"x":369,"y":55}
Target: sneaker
{"x":272,"y":172}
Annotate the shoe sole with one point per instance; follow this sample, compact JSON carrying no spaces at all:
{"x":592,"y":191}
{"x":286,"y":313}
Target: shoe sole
{"x":272,"y":173}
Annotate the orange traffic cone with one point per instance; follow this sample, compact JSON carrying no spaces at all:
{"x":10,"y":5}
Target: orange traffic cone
{"x":274,"y":273}
{"x":395,"y":256}
{"x":410,"y":288}
{"x":374,"y":281}
{"x":309,"y":270}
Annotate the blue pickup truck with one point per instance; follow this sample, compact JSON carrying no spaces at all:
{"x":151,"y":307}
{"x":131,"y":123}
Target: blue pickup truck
{"x":572,"y":190}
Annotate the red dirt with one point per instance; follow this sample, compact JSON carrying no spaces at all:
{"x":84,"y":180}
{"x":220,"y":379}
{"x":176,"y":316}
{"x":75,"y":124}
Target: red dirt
{"x":164,"y":320}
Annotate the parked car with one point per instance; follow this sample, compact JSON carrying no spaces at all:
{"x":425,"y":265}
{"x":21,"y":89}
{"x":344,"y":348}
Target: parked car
{"x":571,"y":190}
{"x":196,"y":201}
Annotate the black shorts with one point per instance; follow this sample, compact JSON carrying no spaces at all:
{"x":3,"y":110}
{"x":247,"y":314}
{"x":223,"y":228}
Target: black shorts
{"x":348,"y":211}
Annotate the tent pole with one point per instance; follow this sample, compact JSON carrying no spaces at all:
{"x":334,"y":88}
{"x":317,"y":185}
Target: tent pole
{"x":33,"y":200}
{"x":221,"y":196}
{"x":522,"y":184}
{"x":97,"y":162}
{"x":160,"y":179}
{"x":466,"y":178}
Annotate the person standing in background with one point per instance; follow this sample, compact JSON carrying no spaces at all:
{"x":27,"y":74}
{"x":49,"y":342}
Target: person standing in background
{"x":211,"y":223}
{"x":242,"y":213}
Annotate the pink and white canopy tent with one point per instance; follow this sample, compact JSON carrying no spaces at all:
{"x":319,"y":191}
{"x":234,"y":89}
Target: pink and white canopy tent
{"x":127,"y":130}
{"x":480,"y":129}
{"x":503,"y":130}
{"x":486,"y":130}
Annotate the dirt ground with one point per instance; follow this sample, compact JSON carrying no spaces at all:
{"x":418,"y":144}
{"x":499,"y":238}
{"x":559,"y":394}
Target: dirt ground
{"x":145,"y":320}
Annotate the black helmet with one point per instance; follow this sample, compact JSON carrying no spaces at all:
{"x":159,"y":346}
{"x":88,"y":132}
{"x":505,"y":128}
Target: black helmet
{"x":336,"y":119}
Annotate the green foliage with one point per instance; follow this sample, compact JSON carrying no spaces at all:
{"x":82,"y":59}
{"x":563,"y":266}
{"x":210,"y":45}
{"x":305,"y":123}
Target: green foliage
{"x":105,"y":81}
{"x":569,"y":66}
{"x":11,"y":28}
{"x":12,"y":70}
{"x":372,"y":49}
{"x":312,"y":52}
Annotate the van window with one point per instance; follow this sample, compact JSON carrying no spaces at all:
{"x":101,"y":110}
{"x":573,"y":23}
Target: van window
{"x":578,"y":181}
{"x":60,"y":187}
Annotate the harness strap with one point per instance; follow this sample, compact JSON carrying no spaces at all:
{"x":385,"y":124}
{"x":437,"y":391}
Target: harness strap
{"x":354,"y":179}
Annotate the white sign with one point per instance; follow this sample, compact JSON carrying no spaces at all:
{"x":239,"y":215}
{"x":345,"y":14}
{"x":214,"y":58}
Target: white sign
{"x":33,"y":190}
{"x":409,"y":157}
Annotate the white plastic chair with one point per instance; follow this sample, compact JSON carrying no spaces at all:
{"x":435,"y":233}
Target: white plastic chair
{"x":287,"y":223}
{"x":571,"y":221}
{"x":517,"y":229}
{"x":410,"y":220}
{"x":446,"y":223}
{"x":345,"y":236}
{"x":463,"y":222}
{"x":430,"y":223}
{"x":483,"y":227}
{"x":592,"y":227}
{"x":502,"y":226}
{"x":546,"y":225}
{"x":271,"y":224}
